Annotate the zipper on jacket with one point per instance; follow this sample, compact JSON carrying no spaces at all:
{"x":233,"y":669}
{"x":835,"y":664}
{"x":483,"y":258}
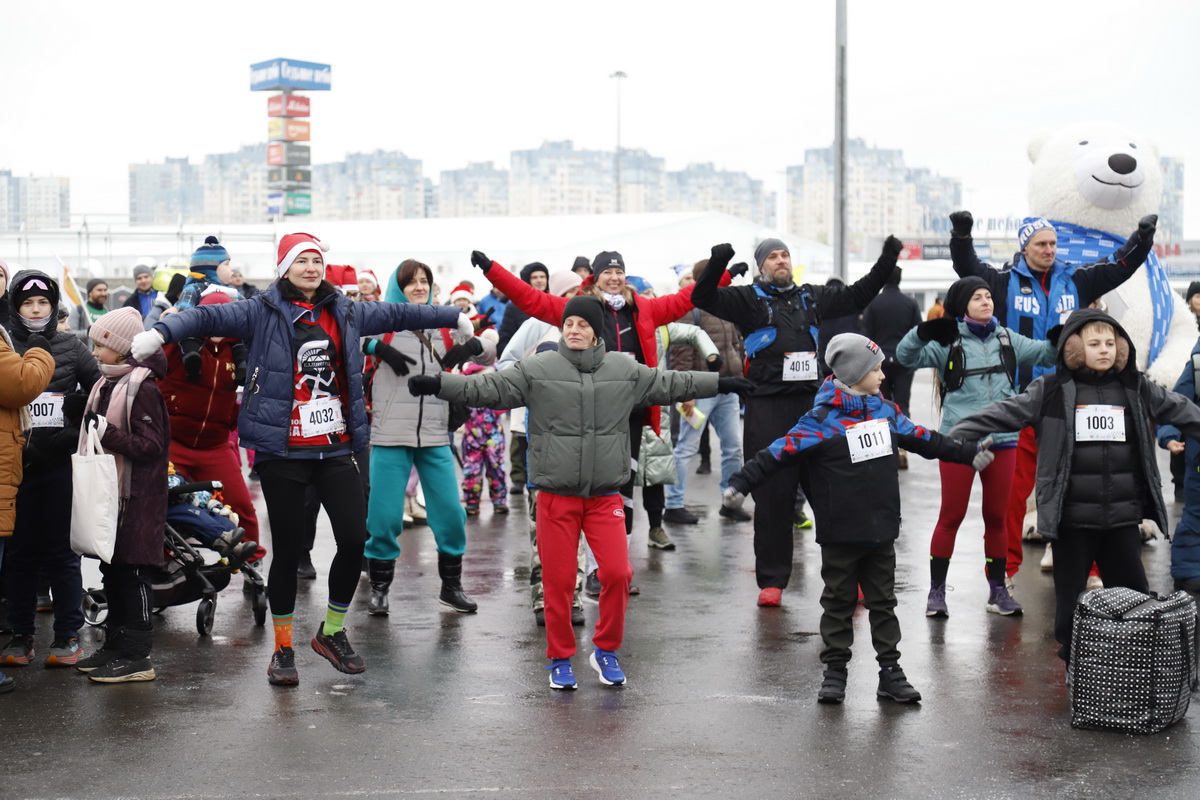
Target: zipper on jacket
{"x":421,"y":399}
{"x":251,"y":388}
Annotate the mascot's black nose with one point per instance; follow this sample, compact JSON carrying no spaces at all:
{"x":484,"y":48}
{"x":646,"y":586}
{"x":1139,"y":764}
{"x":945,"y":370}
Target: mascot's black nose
{"x":1122,"y":164}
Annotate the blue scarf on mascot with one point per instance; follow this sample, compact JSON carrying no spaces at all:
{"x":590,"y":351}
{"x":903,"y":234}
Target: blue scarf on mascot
{"x":1078,"y":245}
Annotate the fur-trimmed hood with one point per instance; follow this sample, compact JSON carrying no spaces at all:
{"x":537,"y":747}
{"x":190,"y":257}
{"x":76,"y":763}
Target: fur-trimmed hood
{"x":1070,"y":342}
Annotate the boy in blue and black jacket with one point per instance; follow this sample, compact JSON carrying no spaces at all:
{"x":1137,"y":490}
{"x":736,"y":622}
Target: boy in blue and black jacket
{"x":849,"y":441}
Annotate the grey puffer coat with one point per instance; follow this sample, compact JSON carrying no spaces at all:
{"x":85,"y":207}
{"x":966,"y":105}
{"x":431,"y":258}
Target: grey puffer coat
{"x":1049,"y":406}
{"x":579,"y":405}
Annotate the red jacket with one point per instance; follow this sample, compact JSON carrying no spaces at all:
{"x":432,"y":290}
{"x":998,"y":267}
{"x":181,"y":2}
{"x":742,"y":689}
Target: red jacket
{"x":648,"y":313}
{"x":202,"y":414}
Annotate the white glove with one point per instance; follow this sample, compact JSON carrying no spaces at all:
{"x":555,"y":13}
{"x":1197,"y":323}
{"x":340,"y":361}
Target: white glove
{"x":984,"y":457}
{"x":465,"y":326}
{"x":146,"y":344}
{"x":732,"y":498}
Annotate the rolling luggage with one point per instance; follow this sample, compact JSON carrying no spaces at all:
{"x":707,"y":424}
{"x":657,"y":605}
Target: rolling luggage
{"x":1133,"y":660}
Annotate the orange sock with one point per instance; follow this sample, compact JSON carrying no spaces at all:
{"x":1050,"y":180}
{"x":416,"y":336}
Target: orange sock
{"x":283,"y":630}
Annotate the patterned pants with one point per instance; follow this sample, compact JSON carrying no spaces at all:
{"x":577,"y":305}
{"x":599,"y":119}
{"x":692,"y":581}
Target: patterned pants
{"x":483,"y":453}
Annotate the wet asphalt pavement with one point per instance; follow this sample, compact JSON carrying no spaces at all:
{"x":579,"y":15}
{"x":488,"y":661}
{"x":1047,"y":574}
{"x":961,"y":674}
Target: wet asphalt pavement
{"x":720,"y":701}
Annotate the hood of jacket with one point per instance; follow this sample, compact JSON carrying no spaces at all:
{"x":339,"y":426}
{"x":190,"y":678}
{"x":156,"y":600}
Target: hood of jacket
{"x":1070,"y":343}
{"x":846,"y":404}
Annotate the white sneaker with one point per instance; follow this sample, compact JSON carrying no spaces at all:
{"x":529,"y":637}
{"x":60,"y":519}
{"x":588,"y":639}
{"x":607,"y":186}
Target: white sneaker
{"x":1048,"y":558}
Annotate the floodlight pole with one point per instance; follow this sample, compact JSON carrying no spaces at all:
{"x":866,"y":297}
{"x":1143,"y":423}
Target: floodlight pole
{"x":839,"y":148}
{"x":617,"y":158}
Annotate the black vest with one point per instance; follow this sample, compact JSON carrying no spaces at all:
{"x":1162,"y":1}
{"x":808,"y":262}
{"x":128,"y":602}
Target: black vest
{"x":1104,"y":489}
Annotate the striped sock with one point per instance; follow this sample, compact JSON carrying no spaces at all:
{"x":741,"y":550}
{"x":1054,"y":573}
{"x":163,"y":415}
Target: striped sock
{"x":283,"y":629}
{"x":335,"y":617}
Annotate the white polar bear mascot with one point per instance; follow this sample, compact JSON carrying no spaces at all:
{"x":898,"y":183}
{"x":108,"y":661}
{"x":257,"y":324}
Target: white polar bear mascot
{"x":1094,"y":181}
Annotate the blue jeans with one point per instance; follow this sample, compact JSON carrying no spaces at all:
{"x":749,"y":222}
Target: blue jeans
{"x":723,"y":414}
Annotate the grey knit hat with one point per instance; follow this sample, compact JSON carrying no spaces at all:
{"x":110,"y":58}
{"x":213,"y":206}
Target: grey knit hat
{"x":851,"y":356}
{"x":765,"y":248}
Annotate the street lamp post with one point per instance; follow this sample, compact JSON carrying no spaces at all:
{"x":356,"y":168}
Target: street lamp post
{"x":617,"y":158}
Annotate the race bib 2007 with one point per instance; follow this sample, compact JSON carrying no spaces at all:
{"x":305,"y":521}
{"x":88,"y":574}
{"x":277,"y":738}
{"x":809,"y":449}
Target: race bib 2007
{"x":1099,"y":423}
{"x":868,"y":440}
{"x":47,"y":410}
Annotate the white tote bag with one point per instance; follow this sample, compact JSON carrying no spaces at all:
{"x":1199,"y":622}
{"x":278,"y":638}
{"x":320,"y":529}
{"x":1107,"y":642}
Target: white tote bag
{"x":95,"y":499}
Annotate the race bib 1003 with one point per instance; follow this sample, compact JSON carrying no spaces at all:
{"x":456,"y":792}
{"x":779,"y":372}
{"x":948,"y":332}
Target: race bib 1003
{"x":47,"y":410}
{"x":321,"y":417}
{"x":1099,"y":423}
{"x":800,"y":366}
{"x":868,"y":440}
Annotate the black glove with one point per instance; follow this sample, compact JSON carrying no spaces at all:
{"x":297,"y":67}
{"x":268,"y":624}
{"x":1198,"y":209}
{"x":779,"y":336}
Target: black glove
{"x":891,"y":248}
{"x":73,"y":406}
{"x":38,"y":341}
{"x":714,"y":364}
{"x":739,"y":269}
{"x":738,"y":386}
{"x":722,"y":254}
{"x":460,"y":354}
{"x":1137,"y":246}
{"x":1053,"y":334}
{"x":238,"y":350}
{"x":961,"y":222}
{"x":90,"y":418}
{"x":424,"y":384}
{"x":481,"y":261}
{"x":943,"y":330}
{"x":394,"y":358}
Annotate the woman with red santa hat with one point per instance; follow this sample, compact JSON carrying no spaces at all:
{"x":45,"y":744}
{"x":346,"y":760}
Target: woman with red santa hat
{"x":303,"y":414}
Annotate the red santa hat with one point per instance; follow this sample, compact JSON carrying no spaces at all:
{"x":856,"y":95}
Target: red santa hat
{"x":462,"y":290}
{"x":345,"y":278}
{"x":369,"y":274}
{"x":292,"y":245}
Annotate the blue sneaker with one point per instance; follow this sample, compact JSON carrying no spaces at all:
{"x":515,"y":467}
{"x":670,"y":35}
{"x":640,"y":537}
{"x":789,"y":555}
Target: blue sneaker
{"x":606,"y":666}
{"x":561,"y":674}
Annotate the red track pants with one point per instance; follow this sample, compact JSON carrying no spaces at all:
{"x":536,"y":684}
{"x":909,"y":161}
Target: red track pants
{"x":1024,"y":478}
{"x":602,"y":519}
{"x":221,"y":464}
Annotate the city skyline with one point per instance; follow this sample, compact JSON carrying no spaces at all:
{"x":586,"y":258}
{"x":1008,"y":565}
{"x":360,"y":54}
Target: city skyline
{"x":961,"y":88}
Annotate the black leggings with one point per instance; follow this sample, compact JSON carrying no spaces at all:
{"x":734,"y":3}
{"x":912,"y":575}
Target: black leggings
{"x":129,"y":597}
{"x":1118,"y":554}
{"x":339,"y":486}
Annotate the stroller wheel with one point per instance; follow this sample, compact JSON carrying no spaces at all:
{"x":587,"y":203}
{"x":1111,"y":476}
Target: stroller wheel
{"x":260,"y":607}
{"x":206,"y":612}
{"x":95,"y":607}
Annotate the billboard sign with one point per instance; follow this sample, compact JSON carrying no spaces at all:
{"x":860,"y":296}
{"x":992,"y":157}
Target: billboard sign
{"x":287,"y":154}
{"x":286,"y":73}
{"x":281,"y":129}
{"x":289,"y":175}
{"x":288,"y":105}
{"x":297,"y":203}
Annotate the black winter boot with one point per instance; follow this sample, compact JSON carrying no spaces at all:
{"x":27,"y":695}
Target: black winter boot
{"x":450,"y":569}
{"x":381,"y":574}
{"x":833,"y":687}
{"x":133,"y":664}
{"x":893,"y":685}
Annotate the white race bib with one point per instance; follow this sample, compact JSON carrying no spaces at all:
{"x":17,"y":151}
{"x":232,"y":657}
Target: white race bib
{"x":1099,"y":423}
{"x":800,"y":366}
{"x":868,"y":440}
{"x":321,"y":417}
{"x":47,"y":410}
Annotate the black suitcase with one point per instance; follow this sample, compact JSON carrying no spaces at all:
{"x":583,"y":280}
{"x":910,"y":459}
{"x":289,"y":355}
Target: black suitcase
{"x":1133,"y":660}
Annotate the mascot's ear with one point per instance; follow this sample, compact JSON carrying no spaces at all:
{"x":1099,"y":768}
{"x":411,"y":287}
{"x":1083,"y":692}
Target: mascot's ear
{"x":1036,"y":144}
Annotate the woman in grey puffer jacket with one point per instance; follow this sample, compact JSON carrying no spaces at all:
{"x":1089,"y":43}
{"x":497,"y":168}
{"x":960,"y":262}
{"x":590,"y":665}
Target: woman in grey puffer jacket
{"x":579,"y":402}
{"x":408,"y":431}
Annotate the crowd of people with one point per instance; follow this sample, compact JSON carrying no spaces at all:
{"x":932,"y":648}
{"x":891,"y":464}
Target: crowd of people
{"x":333,"y":383}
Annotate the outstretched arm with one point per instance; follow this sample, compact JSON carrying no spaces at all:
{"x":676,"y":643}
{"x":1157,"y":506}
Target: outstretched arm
{"x":541,"y":305}
{"x":840,"y":301}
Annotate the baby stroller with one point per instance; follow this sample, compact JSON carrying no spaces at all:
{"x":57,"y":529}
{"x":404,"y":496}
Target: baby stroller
{"x":196,"y":522}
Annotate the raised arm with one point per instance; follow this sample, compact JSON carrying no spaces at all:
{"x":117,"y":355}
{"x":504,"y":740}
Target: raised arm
{"x":541,"y":305}
{"x":840,"y":301}
{"x":1094,"y":280}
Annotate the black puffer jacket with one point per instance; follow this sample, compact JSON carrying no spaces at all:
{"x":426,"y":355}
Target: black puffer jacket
{"x":1105,"y":488}
{"x":1049,"y":406}
{"x":75,"y":370}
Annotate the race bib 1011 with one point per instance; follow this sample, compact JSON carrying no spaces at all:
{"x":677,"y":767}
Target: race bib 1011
{"x":868,"y":440}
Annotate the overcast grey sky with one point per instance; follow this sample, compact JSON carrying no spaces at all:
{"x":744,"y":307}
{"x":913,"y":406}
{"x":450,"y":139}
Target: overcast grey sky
{"x":960,"y":86}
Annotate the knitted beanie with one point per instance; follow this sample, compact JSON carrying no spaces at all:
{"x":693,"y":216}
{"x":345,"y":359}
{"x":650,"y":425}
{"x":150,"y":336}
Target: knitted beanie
{"x":587,"y":307}
{"x":563,"y":282}
{"x":1030,"y":226}
{"x":851,"y":356}
{"x":1193,"y":289}
{"x":607,"y":260}
{"x":960,"y":293}
{"x":532,"y":267}
{"x":208,"y":255}
{"x":292,"y":245}
{"x":142,"y":269}
{"x":116,"y":329}
{"x":31,"y":283}
{"x":766,"y":247}
{"x":92,"y":284}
